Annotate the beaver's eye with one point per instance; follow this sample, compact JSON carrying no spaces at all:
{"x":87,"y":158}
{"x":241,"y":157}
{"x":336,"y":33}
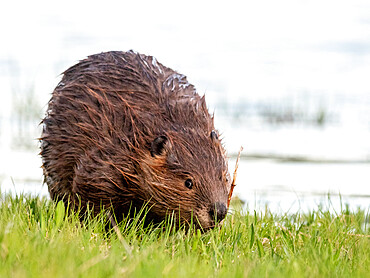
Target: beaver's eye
{"x":214,"y":135}
{"x":189,"y":183}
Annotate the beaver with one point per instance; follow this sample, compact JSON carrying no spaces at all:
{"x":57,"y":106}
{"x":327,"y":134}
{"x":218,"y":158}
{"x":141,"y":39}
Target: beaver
{"x":121,"y":130}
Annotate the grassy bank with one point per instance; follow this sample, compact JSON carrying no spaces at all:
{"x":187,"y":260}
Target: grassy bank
{"x":38,"y":239}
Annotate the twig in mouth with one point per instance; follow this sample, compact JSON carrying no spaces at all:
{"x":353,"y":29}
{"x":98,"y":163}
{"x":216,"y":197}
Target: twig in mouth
{"x":234,"y":178}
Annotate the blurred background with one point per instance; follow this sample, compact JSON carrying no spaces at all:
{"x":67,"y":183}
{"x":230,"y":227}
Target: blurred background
{"x":288,"y":80}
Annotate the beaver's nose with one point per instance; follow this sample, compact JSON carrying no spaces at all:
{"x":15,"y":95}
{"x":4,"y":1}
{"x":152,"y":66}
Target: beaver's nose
{"x":218,"y":211}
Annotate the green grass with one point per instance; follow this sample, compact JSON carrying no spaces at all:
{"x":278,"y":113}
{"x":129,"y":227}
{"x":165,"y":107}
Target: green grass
{"x":39,"y":239}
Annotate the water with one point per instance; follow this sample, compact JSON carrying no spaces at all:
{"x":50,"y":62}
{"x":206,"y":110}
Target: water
{"x":292,"y":187}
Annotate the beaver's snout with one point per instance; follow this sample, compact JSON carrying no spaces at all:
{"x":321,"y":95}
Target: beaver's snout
{"x":218,"y":211}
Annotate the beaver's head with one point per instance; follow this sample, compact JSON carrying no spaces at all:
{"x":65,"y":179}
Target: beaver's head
{"x":185,"y":172}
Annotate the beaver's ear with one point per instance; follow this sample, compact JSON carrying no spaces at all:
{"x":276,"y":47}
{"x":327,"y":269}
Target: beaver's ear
{"x":158,"y":144}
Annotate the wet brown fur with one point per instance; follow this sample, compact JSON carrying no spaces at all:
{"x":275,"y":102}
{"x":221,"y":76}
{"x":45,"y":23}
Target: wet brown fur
{"x":101,"y":121}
